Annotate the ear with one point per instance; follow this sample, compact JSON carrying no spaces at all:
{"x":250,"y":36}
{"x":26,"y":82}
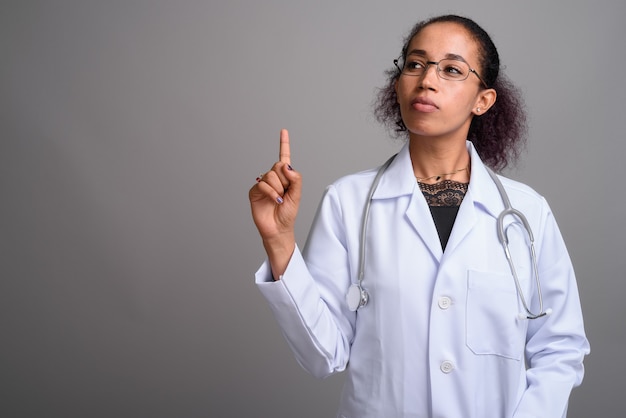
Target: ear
{"x":486,"y":98}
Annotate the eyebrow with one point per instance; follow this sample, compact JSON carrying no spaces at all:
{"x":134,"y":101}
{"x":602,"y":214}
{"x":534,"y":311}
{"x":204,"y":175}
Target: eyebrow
{"x":449,"y":56}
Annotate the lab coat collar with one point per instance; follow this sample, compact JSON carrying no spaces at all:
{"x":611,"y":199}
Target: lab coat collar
{"x":482,"y":189}
{"x":399,"y":180}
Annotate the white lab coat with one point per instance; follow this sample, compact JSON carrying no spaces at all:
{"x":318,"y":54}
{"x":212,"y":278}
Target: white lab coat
{"x":440,"y":336}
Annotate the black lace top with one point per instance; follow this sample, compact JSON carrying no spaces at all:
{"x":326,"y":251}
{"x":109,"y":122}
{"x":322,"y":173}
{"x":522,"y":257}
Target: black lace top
{"x":444,"y":199}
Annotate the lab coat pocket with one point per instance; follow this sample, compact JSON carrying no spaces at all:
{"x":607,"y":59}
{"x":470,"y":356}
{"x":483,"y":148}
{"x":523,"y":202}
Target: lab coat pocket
{"x":492,"y":327}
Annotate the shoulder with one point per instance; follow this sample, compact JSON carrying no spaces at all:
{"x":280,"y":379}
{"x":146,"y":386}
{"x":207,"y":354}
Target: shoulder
{"x":355,"y":180}
{"x":349,"y":193}
{"x":526,"y":199}
{"x":520,"y":190}
{"x":389,"y":176}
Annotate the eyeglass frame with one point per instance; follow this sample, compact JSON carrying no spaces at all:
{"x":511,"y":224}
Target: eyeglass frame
{"x":438,"y":70}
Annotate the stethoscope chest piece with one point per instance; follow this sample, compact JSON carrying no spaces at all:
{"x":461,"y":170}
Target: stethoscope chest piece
{"x":357,"y":297}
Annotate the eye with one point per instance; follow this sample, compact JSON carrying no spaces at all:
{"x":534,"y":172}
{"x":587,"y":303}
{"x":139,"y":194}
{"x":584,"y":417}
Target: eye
{"x":455,"y":69}
{"x":451,"y":69}
{"x":414,"y":66}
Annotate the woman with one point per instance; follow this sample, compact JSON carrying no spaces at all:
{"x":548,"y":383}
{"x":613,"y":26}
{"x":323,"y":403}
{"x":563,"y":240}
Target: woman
{"x":441,"y":334}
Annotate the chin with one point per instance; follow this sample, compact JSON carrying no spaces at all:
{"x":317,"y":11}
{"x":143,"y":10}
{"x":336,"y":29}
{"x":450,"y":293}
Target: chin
{"x":421,"y":131}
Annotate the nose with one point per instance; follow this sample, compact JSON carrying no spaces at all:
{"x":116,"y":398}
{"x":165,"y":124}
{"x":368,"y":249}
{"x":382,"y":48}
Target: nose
{"x":427,"y":77}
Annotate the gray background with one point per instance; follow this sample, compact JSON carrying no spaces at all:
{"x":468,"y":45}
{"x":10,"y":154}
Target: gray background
{"x":130,"y":132}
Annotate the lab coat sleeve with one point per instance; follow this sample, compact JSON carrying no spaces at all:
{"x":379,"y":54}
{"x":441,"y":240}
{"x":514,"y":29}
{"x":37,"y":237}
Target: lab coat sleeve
{"x":309,"y":300}
{"x":556,"y":344}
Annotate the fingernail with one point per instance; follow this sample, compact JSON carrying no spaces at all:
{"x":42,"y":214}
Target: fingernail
{"x":289,"y":167}
{"x":279,"y":200}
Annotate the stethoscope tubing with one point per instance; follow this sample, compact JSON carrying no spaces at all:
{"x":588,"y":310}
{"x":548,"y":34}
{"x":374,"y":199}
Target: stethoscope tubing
{"x":504,"y":241}
{"x":362,"y":296}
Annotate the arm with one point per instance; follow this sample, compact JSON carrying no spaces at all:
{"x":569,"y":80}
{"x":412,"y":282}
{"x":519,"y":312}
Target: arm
{"x":309,"y":301}
{"x":308,"y":310}
{"x":556,"y":345}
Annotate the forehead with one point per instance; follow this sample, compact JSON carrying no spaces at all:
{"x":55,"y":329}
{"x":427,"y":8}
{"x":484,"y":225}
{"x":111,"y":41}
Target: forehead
{"x":441,"y":39}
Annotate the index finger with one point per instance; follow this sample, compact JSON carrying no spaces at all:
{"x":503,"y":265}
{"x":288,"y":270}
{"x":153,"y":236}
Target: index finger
{"x":284,"y":154}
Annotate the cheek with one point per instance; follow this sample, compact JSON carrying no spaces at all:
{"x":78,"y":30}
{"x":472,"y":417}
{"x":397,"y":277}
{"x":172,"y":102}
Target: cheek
{"x":464,"y":102}
{"x":402,"y":90}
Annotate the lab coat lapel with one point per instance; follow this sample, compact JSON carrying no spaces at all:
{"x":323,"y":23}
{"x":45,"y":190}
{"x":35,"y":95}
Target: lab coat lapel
{"x":399,"y":180}
{"x":482,"y":195}
{"x":418,"y":214}
{"x":465,"y":221}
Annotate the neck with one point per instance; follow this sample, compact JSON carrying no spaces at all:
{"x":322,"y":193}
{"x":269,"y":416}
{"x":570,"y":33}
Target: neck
{"x":434,"y":160}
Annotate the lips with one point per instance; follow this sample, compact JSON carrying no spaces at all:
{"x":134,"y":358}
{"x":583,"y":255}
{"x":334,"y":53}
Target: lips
{"x":424,"y":104}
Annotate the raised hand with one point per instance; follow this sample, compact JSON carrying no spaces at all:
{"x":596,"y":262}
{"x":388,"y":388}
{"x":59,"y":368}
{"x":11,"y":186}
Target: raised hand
{"x":274,"y":201}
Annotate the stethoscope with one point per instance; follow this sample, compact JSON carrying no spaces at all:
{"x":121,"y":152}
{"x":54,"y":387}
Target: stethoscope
{"x":358,"y":296}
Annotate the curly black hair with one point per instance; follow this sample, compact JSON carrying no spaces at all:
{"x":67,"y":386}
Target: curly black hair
{"x":498,"y":135}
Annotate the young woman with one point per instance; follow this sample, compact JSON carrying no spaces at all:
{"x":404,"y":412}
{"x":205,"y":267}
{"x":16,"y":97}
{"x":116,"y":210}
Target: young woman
{"x":422,"y":305}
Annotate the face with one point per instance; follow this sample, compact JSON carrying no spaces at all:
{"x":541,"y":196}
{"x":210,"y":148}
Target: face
{"x":434,"y":107}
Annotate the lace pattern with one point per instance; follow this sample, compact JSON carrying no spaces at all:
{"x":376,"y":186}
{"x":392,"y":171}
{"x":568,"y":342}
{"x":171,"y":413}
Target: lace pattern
{"x":448,"y":193}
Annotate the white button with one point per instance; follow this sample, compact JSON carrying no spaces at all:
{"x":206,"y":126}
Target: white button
{"x":447,"y":366}
{"x":445,"y":302}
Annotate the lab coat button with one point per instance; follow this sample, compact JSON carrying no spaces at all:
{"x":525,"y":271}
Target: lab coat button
{"x":447,"y":366}
{"x":445,"y":302}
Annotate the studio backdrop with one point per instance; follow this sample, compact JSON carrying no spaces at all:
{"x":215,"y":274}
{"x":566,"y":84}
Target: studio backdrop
{"x":131,"y":132}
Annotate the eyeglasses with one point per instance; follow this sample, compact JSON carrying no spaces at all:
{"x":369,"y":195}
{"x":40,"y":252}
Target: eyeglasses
{"x":447,"y":69}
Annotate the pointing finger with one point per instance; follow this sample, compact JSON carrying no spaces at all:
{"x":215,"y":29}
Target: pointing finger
{"x":284,"y":154}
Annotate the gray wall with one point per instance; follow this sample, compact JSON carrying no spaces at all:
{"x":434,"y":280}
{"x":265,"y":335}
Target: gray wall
{"x":130,"y":132}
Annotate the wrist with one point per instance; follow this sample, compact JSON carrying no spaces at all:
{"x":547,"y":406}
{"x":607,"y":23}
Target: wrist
{"x":279,"y":252}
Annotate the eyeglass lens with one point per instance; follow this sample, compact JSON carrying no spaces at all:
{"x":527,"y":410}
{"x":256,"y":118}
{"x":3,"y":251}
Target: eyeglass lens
{"x":448,"y":69}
